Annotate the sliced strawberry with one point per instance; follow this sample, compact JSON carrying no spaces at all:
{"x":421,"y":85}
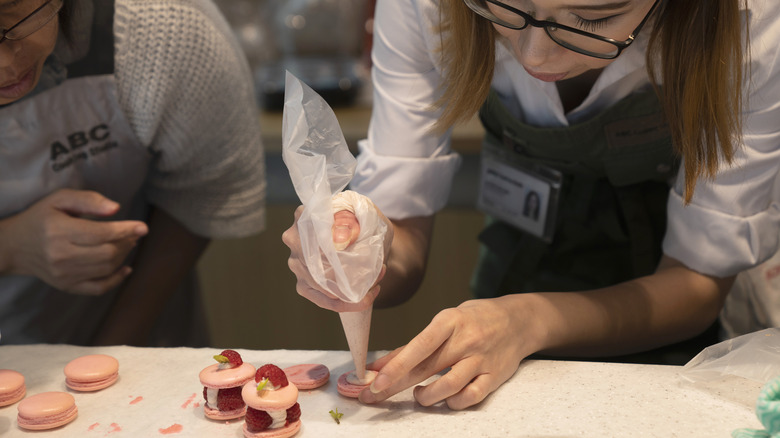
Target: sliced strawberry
{"x":205,"y":394}
{"x":229,"y":399}
{"x":293,"y":413}
{"x":273,"y":373}
{"x":257,"y":420}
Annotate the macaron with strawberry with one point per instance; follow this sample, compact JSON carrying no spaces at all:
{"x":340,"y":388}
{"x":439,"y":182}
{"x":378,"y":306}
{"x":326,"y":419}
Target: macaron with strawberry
{"x":272,"y":405}
{"x":222,"y":383}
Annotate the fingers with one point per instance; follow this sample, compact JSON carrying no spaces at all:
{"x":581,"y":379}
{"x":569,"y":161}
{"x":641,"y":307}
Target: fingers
{"x":414,"y":363}
{"x":345,"y":229}
{"x":87,"y":232}
{"x":101,"y":285}
{"x":290,"y":237}
{"x":330,"y":302}
{"x":83,"y":203}
{"x":103,"y":259}
{"x":462,"y":386}
{"x":476,"y":391}
{"x":90,"y":233}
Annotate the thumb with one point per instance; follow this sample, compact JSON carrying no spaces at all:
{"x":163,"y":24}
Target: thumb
{"x":84,"y":203}
{"x":345,"y":229}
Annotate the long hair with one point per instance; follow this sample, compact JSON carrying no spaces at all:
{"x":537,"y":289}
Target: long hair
{"x":698,"y":48}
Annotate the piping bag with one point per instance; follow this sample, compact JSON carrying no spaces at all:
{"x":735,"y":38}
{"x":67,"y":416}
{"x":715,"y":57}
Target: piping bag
{"x":321,"y":166}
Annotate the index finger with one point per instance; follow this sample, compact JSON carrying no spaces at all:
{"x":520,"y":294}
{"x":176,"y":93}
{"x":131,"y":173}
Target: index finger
{"x":91,"y":233}
{"x":417,"y":351}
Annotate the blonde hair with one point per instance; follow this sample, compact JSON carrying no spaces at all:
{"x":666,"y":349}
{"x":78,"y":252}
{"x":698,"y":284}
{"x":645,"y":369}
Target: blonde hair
{"x":698,"y":47}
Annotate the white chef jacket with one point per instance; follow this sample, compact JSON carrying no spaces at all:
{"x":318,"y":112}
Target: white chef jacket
{"x":732,"y":221}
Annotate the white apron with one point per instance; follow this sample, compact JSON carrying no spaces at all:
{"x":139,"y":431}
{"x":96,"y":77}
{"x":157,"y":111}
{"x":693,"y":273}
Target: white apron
{"x":73,"y":134}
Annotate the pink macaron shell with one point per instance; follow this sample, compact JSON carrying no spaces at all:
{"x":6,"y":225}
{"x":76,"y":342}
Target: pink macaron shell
{"x":268,"y":400}
{"x":92,"y":372}
{"x":216,"y":414}
{"x":12,"y":387}
{"x":92,"y":386}
{"x":280,"y":432}
{"x":347,"y":389}
{"x":308,"y":375}
{"x":213,"y":377}
{"x":46,"y":410}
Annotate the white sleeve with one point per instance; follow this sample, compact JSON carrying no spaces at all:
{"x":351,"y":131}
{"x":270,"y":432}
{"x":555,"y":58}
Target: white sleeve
{"x":403,"y":167}
{"x":186,"y":88}
{"x":733,"y":221}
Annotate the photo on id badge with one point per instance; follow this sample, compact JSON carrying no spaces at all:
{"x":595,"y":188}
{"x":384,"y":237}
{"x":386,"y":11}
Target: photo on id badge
{"x":514,"y":196}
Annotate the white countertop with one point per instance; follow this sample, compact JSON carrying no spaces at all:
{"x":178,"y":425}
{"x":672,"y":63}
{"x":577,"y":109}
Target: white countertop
{"x":158,"y":394}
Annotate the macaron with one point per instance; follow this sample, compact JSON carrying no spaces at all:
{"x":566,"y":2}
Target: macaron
{"x":92,"y":372}
{"x":349,"y":385}
{"x":308,"y":375}
{"x":12,"y":388}
{"x":280,"y":432}
{"x":222,"y":383}
{"x":271,"y":403}
{"x":272,"y":412}
{"x":46,"y":410}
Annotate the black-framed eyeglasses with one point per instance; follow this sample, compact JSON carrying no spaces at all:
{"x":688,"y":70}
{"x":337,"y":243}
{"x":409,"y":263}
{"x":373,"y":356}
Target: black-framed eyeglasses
{"x":574,"y":39}
{"x":34,"y":21}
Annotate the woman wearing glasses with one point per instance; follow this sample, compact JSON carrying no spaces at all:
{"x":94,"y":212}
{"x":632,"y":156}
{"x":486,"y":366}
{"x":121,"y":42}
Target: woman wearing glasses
{"x":128,"y":139}
{"x":602,"y":107}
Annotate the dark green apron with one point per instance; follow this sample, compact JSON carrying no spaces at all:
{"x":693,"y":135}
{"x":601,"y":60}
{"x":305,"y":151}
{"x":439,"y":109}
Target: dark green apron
{"x":617,"y":168}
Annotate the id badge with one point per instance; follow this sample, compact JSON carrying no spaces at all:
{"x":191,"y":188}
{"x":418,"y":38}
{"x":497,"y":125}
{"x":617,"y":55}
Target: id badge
{"x":524,"y":195}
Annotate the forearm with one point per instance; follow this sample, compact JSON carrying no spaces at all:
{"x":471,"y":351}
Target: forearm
{"x":165,"y":257}
{"x":6,"y":248}
{"x":671,"y":305}
{"x":407,"y":260}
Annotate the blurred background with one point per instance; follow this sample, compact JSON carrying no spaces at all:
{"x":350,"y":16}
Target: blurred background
{"x":248,"y":289}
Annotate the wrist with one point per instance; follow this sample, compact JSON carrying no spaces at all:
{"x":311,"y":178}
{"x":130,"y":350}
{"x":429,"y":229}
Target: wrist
{"x":530,"y":318}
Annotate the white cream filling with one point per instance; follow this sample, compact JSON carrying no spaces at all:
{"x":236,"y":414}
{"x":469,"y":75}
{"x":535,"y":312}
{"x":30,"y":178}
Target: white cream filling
{"x":211,"y":397}
{"x":269,"y":386}
{"x":355,"y":380}
{"x":279,"y":417}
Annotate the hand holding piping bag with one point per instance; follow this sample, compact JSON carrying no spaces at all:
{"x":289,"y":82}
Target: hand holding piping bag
{"x":321,"y":165}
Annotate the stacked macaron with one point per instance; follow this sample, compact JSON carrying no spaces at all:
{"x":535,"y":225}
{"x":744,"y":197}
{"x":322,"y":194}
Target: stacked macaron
{"x":222,"y":383}
{"x":12,"y":388}
{"x":272,"y":405}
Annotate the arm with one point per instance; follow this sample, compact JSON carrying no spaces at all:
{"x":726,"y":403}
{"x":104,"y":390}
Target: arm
{"x":406,"y":261}
{"x":164,"y":258}
{"x":673,"y":304}
{"x":484,"y":341}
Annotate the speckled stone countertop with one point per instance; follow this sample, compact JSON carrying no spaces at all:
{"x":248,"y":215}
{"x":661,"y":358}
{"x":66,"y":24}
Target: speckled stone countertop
{"x":158,"y":393}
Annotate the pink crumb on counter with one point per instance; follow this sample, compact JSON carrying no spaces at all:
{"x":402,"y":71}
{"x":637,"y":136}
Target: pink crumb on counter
{"x":174,"y":428}
{"x":113,"y":428}
{"x":136,"y":400}
{"x":189,"y":400}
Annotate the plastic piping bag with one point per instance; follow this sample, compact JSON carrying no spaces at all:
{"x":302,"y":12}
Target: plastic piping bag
{"x":321,"y":166}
